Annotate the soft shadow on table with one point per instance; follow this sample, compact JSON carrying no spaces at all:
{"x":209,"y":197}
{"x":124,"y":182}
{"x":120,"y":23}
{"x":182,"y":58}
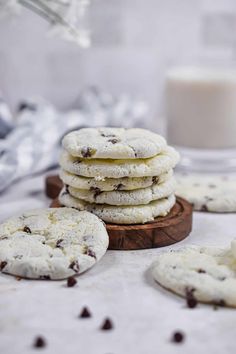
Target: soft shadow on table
{"x":149,"y":280}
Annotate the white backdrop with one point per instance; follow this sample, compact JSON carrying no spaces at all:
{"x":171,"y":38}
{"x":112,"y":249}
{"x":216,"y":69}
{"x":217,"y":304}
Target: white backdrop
{"x":135,"y":41}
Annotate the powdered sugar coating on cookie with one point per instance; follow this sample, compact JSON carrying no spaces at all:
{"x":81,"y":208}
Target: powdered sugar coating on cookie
{"x":212,"y":193}
{"x":113,"y":143}
{"x":154,"y":166}
{"x":208,"y":273}
{"x":135,"y":197}
{"x":137,"y":214}
{"x":112,"y":184}
{"x":51,"y":243}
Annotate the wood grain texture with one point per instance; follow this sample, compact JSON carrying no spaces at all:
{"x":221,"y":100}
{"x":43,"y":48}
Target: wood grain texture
{"x":163,"y":231}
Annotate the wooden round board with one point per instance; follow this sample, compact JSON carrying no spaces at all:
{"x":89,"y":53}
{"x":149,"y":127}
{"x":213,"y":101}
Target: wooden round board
{"x":163,"y":231}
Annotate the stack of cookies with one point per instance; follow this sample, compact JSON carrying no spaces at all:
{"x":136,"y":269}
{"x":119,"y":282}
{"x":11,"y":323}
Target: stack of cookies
{"x":124,"y":176}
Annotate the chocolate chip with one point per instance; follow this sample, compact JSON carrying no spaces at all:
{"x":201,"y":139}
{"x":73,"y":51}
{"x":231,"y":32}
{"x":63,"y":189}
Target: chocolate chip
{"x":58,"y":243}
{"x":155,"y":179}
{"x":192,"y":303}
{"x":66,"y":188}
{"x":27,"y":229}
{"x":91,"y":253}
{"x":190,"y":298}
{"x":204,"y":208}
{"x":87,"y":152}
{"x":45,"y":277}
{"x":3,"y":265}
{"x":85,"y":313}
{"x":39,"y":342}
{"x":196,"y":184}
{"x":107,"y":325}
{"x":113,"y":141}
{"x":96,"y":191}
{"x":212,"y":185}
{"x":107,"y":135}
{"x":71,"y":281}
{"x":178,"y":337}
{"x":74,"y":266}
{"x":119,"y":186}
{"x":222,"y":278}
{"x":3,"y":238}
{"x":220,"y":302}
{"x":18,"y":278}
{"x":200,"y":270}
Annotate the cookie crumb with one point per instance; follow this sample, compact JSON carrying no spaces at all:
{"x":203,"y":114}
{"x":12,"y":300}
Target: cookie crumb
{"x":107,"y":325}
{"x":71,"y":281}
{"x":178,"y":337}
{"x":39,"y":342}
{"x":85,"y":313}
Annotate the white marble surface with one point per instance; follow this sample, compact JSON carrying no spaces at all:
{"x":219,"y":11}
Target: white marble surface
{"x":120,"y":287}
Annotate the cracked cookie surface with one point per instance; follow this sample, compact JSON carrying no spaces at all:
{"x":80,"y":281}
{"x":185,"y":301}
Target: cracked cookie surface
{"x":99,"y":168}
{"x":207,"y":273}
{"x":135,"y":197}
{"x":113,"y":143}
{"x":112,"y":184}
{"x":51,"y":243}
{"x":132,"y":214}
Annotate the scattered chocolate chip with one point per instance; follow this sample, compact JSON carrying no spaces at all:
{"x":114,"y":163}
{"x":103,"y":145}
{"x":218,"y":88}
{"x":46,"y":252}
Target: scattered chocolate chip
{"x":155,"y":179}
{"x":119,"y":187}
{"x":85,"y":313}
{"x":39,"y":342}
{"x":178,"y":337}
{"x":211,"y":185}
{"x":18,"y":278}
{"x":74,"y":266}
{"x":91,"y":253}
{"x":58,"y":243}
{"x":27,"y":229}
{"x":96,"y":191}
{"x":200,"y":270}
{"x":87,"y":152}
{"x":71,"y":281}
{"x":190,"y":298}
{"x":107,"y":325}
{"x":204,"y":208}
{"x":3,"y":265}
{"x":45,"y":277}
{"x":192,"y":303}
{"x":113,"y":141}
{"x":66,"y":188}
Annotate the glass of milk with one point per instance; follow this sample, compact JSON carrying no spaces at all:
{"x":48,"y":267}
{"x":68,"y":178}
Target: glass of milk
{"x":201,"y":117}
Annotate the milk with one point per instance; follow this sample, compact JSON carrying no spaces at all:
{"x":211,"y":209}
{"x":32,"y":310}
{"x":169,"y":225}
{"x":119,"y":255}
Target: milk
{"x":201,"y":108}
